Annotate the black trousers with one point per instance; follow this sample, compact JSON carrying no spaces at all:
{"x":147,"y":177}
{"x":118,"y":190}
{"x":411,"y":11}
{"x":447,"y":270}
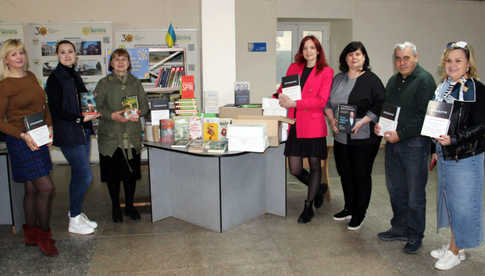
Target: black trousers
{"x":354,"y":165}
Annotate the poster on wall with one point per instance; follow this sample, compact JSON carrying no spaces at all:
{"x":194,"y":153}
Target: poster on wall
{"x":11,"y":31}
{"x":155,"y":38}
{"x":91,"y":40}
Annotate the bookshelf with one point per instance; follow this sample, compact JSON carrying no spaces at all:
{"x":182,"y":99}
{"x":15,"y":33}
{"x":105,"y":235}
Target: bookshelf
{"x":167,"y":65}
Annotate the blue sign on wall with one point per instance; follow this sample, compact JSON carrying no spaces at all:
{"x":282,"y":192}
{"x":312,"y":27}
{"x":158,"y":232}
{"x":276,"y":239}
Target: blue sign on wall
{"x":257,"y":46}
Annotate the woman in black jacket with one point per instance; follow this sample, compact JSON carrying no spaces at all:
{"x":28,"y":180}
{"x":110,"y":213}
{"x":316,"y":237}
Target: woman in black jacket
{"x":355,"y":152}
{"x":460,"y":155}
{"x":72,"y":131}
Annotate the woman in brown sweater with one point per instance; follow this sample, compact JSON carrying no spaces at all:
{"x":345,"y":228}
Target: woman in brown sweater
{"x":21,"y":96}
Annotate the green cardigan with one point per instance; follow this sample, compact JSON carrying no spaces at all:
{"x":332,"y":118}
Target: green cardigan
{"x":109,"y":92}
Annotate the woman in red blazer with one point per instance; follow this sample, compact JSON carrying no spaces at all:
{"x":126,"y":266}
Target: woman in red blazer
{"x":306,"y":137}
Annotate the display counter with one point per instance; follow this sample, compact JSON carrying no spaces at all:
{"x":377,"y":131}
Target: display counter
{"x":216,"y":191}
{"x":11,"y":196}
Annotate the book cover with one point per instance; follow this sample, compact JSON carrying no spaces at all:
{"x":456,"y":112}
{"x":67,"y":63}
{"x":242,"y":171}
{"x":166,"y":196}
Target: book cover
{"x":437,"y":119}
{"x":195,"y":127}
{"x":187,"y":87}
{"x":166,"y":131}
{"x":211,"y":129}
{"x":346,"y":117}
{"x":180,"y":144}
{"x":88,"y":104}
{"x":291,"y":86}
{"x":388,"y":118}
{"x":181,"y":128}
{"x":223,"y":124}
{"x":130,"y":105}
{"x":37,"y":128}
{"x":196,"y":146}
{"x":216,"y":146}
{"x":241,"y":93}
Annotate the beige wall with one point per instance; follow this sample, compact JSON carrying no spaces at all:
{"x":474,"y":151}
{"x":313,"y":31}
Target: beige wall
{"x":123,"y":13}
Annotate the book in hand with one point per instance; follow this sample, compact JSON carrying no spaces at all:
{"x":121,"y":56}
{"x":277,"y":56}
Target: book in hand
{"x":130,"y":106}
{"x":241,"y":93}
{"x":37,"y":129}
{"x":389,"y":118}
{"x":346,"y":117}
{"x":291,"y":87}
{"x":437,"y":119}
{"x":216,"y":146}
{"x":88,"y":104}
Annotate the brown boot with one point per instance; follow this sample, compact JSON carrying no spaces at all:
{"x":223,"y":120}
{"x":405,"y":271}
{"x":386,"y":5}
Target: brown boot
{"x":30,"y":235}
{"x":46,"y":243}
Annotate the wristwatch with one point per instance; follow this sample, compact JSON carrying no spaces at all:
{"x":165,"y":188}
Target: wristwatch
{"x":78,"y":120}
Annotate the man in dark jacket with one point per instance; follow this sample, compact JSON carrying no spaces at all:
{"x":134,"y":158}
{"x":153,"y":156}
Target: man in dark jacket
{"x":406,"y":151}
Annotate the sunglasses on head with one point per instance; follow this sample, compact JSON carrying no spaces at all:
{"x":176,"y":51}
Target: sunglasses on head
{"x":457,"y":44}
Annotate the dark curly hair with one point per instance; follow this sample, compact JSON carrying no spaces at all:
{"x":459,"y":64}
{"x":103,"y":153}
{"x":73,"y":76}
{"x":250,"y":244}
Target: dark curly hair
{"x":352,"y":47}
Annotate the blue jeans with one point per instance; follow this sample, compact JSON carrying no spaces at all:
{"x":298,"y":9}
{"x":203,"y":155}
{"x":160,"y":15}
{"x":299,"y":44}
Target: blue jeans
{"x":81,"y":176}
{"x":406,"y":177}
{"x":460,"y":198}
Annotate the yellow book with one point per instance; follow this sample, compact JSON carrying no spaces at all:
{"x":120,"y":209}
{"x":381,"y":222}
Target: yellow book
{"x":211,"y":129}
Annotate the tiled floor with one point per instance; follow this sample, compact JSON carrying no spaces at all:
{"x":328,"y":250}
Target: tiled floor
{"x":268,"y":245}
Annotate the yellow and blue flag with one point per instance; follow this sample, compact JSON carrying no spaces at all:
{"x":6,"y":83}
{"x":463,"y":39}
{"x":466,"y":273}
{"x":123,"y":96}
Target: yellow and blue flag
{"x":170,"y":37}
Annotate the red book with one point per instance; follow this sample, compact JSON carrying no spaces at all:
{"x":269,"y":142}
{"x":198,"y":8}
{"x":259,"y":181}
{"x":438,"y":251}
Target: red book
{"x":157,"y":82}
{"x":187,"y":87}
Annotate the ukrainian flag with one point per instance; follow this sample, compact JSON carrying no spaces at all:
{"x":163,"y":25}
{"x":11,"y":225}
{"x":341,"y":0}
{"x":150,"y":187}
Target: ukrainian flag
{"x":170,"y":37}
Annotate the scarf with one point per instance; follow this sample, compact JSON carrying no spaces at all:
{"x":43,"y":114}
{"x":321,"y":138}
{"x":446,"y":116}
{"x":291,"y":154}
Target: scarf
{"x":463,"y":90}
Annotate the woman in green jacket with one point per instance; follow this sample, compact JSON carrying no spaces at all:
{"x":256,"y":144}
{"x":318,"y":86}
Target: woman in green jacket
{"x":121,"y":100}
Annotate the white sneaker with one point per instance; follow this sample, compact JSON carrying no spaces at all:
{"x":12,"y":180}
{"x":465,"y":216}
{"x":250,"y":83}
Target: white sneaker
{"x":85,"y":218}
{"x":78,"y":226}
{"x":448,"y":261}
{"x":440,"y":252}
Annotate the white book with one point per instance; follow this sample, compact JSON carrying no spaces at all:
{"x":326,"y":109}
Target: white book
{"x":389,"y":118}
{"x":158,"y":115}
{"x":271,"y":107}
{"x":40,"y":135}
{"x":291,"y":87}
{"x":437,"y":119}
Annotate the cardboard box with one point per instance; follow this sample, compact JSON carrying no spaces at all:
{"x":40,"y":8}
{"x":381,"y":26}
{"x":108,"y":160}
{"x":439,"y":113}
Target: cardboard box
{"x":273,"y":124}
{"x":230,"y":111}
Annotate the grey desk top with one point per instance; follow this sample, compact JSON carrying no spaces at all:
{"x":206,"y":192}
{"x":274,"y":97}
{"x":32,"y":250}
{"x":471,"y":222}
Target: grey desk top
{"x":168,"y":147}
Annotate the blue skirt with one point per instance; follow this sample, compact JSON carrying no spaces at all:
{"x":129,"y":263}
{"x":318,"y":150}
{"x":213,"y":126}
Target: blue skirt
{"x":460,"y":198}
{"x":26,"y":164}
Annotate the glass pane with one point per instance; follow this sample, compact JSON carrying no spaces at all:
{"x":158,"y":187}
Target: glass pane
{"x":317,"y":34}
{"x":284,"y":55}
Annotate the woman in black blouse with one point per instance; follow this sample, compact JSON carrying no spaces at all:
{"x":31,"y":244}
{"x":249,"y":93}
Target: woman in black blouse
{"x":355,"y":152}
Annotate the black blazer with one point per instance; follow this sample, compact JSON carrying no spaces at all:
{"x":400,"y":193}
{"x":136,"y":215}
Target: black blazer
{"x":65,"y":107}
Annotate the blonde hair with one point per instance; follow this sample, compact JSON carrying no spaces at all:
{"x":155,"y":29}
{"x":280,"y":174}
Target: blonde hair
{"x":8,"y":46}
{"x":472,"y":71}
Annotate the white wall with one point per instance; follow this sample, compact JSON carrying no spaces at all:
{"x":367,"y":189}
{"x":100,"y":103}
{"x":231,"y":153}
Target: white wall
{"x":218,"y":30}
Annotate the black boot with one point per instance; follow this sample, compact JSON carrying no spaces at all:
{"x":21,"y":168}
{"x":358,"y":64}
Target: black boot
{"x":114,"y":193}
{"x":307,"y":214}
{"x":319,"y":196}
{"x":130,"y":210}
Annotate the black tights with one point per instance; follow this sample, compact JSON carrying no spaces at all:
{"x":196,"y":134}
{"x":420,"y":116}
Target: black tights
{"x":38,"y":201}
{"x":311,"y":179}
{"x":114,"y":192}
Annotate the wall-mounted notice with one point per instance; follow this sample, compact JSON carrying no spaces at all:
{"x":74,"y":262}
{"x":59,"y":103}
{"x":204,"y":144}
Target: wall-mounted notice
{"x":11,"y":31}
{"x":91,"y":40}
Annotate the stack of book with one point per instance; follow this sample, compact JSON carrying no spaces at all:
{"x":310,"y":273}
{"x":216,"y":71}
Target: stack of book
{"x":169,"y":77}
{"x":186,"y":107}
{"x":247,"y":137}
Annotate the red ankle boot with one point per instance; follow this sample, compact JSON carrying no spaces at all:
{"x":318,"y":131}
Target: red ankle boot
{"x":30,"y":235}
{"x":46,"y":243}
